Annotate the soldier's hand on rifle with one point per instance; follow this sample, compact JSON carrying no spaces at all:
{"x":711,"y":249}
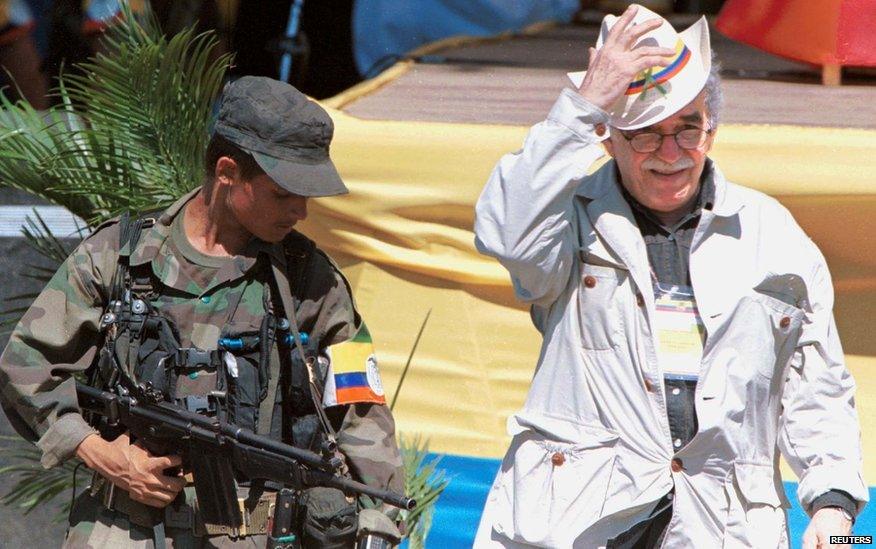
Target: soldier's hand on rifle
{"x":617,"y":62}
{"x":132,"y":468}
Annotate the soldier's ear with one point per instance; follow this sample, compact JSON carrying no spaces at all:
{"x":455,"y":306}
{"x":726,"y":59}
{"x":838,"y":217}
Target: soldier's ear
{"x":226,"y":171}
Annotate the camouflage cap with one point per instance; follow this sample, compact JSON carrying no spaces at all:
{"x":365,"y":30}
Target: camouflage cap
{"x":287,"y":134}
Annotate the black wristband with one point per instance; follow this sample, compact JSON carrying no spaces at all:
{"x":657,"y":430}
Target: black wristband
{"x":836,"y":498}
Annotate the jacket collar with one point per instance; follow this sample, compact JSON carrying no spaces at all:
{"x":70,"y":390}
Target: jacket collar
{"x":727,"y":203}
{"x":612,"y":218}
{"x":153,"y":238}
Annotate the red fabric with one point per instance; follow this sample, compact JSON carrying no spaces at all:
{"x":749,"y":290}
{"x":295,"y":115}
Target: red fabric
{"x":823,"y":32}
{"x":11,"y":33}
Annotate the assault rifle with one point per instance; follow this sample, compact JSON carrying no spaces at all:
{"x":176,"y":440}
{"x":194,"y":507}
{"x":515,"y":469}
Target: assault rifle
{"x":214,"y":449}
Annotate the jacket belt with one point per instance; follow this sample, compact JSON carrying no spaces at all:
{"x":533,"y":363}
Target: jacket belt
{"x":183,"y":516}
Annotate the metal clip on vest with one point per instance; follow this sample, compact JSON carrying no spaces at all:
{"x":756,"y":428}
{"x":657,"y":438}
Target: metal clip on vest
{"x":237,"y":344}
{"x":111,"y":316}
{"x":107,"y":320}
{"x":216,"y":401}
{"x":192,"y":357}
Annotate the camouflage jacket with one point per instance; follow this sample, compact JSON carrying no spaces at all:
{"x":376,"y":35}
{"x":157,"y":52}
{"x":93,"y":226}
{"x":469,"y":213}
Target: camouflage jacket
{"x":59,"y":335}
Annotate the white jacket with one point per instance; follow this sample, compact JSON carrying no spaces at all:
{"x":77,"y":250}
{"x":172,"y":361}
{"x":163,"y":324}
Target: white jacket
{"x":772,"y":373}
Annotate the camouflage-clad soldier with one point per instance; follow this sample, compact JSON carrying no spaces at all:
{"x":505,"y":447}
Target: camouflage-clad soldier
{"x":208,"y":272}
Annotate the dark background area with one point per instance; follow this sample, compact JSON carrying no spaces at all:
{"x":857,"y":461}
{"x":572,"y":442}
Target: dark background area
{"x":38,"y":528}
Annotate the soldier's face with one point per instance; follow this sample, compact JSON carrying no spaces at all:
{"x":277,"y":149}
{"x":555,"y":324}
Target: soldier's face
{"x":264,"y":208}
{"x":666,"y":180}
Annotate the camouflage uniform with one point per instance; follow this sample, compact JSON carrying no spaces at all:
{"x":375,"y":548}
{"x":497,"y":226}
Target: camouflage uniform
{"x":59,"y":336}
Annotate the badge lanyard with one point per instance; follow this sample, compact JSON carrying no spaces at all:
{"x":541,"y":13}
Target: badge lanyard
{"x":680,"y":331}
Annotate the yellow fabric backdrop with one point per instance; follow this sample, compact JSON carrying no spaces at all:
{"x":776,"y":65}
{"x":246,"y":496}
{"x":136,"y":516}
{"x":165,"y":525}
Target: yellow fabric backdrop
{"x":404,"y":238}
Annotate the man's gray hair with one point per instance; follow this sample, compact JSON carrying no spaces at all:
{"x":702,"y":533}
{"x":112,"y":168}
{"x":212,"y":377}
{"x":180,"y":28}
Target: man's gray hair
{"x":714,"y":93}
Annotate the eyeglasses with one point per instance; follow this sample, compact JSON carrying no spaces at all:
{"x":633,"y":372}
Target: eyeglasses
{"x":648,"y":142}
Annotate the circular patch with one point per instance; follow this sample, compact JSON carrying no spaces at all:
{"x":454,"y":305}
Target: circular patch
{"x":373,"y":375}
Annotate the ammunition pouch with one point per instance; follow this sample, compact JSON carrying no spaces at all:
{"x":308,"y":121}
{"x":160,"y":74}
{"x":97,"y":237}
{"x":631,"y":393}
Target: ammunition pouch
{"x":185,"y":515}
{"x":374,"y":523}
{"x":188,"y":375}
{"x":330,"y":519}
{"x":245,"y":370}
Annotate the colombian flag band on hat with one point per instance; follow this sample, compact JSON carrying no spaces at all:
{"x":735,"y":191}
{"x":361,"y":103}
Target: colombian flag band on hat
{"x":659,"y":92}
{"x":353,"y":375}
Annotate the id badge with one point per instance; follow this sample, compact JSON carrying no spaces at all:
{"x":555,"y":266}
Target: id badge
{"x":680,"y":332}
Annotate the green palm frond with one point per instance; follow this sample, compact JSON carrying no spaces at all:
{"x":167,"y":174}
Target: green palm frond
{"x":30,"y":143}
{"x":35,"y":486}
{"x":148,"y":103}
{"x":424,"y":482}
{"x":130,"y":130}
{"x":39,"y":237}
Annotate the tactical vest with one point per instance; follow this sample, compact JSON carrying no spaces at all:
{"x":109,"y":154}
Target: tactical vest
{"x":259,"y":378}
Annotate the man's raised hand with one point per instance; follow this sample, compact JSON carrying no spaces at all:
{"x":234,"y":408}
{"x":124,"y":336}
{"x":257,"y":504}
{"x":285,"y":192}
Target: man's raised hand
{"x":617,"y":62}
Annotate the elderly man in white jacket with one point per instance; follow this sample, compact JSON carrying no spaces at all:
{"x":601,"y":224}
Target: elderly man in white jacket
{"x":687,"y":324}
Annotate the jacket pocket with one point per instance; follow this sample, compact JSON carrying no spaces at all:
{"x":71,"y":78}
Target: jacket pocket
{"x":553,"y":490}
{"x":756,"y":514}
{"x":598,"y":312}
{"x":783,"y":322}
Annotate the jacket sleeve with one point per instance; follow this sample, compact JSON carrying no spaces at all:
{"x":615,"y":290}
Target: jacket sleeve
{"x":366,"y":430}
{"x":525,"y":214}
{"x":820,"y":436}
{"x":57,"y":337}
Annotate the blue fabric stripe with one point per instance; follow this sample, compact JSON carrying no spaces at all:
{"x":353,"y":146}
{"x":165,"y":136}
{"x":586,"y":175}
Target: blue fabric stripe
{"x":459,"y":508}
{"x":352,"y":379}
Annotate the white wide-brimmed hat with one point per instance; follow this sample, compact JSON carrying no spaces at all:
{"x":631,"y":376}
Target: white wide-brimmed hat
{"x":660,"y":92}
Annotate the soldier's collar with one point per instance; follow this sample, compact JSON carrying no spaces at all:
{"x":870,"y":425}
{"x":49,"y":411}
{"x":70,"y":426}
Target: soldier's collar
{"x":153,"y":238}
{"x":175,"y":208}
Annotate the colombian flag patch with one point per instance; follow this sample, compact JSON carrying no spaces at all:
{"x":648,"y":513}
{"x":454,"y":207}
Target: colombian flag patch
{"x":353,"y":375}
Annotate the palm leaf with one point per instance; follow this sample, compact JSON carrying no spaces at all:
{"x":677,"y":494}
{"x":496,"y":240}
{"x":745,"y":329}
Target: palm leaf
{"x":424,"y":482}
{"x":35,"y":486}
{"x":130,"y":130}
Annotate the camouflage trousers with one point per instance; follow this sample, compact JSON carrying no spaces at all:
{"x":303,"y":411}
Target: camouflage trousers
{"x":93,"y":526}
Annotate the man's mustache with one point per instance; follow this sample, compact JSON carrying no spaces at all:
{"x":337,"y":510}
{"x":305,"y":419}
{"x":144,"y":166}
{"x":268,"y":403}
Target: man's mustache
{"x":655,"y":164}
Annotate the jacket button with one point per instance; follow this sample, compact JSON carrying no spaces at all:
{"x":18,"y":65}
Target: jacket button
{"x":600,"y":130}
{"x":558,"y":459}
{"x":589,"y":281}
{"x":785,"y":322}
{"x":676,"y":465}
{"x":648,"y":386}
{"x":640,"y":299}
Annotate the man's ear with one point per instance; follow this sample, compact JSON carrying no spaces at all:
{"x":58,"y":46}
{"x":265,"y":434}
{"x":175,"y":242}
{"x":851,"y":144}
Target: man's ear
{"x":609,"y":145}
{"x":711,"y":140}
{"x":226,"y":171}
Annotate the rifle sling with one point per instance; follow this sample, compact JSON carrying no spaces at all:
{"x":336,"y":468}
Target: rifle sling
{"x":282,"y":283}
{"x":266,"y":407}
